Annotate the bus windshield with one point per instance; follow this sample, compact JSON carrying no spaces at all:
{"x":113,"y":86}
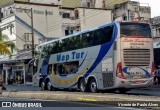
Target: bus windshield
{"x":135,"y":29}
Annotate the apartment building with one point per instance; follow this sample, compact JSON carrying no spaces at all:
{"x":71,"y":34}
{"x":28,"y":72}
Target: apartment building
{"x":49,"y":21}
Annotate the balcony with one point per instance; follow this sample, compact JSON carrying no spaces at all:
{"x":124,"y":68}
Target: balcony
{"x":24,"y":54}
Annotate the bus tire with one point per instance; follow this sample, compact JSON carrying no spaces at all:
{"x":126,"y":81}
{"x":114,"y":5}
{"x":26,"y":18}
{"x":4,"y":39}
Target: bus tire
{"x":43,"y":86}
{"x":49,"y":86}
{"x":82,"y":85}
{"x":40,"y":81}
{"x":93,"y":86}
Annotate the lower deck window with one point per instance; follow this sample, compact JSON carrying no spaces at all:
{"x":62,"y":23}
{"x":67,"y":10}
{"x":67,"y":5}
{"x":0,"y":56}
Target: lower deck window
{"x":66,"y":68}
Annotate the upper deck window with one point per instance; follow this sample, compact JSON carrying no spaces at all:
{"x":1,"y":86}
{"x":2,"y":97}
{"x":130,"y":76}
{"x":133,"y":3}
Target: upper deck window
{"x":135,"y":29}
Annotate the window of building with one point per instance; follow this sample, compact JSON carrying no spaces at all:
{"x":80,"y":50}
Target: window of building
{"x":124,"y":18}
{"x":27,"y":37}
{"x":66,"y":32}
{"x":27,"y":46}
{"x":66,"y":15}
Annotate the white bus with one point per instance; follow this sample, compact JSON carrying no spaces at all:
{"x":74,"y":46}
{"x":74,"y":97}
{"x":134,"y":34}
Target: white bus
{"x":118,"y":55}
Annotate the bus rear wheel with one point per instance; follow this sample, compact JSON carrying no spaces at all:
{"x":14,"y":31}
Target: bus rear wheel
{"x":49,"y":86}
{"x":93,"y":86}
{"x":82,"y":85}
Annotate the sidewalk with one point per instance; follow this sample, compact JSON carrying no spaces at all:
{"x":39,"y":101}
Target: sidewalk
{"x":95,"y":98}
{"x":21,"y":87}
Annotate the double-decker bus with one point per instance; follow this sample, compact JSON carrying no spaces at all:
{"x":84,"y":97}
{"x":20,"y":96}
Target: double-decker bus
{"x":118,"y":55}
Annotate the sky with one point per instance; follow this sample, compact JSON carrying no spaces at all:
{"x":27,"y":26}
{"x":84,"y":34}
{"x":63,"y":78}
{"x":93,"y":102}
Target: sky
{"x":154,"y":4}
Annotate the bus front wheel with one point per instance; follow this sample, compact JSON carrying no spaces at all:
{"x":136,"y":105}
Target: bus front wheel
{"x":43,"y":86}
{"x":82,"y":85}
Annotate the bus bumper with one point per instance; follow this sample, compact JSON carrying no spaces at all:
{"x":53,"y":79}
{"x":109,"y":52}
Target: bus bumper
{"x":133,"y":83}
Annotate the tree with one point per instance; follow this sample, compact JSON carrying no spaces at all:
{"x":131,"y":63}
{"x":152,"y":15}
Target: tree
{"x":6,"y":46}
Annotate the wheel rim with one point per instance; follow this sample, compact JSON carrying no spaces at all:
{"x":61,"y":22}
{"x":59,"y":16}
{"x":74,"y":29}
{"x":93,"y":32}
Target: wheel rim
{"x":42,"y":85}
{"x":93,"y":87}
{"x":82,"y":86}
{"x":49,"y":85}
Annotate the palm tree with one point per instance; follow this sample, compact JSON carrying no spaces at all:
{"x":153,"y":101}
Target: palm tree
{"x":6,"y":46}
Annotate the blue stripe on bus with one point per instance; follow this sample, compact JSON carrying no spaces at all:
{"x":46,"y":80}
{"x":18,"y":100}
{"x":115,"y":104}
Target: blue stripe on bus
{"x":147,"y":73}
{"x":103,"y":51}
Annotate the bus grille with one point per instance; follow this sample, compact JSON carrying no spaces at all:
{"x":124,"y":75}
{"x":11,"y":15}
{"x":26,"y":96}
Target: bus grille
{"x":107,"y":80}
{"x":136,"y":57}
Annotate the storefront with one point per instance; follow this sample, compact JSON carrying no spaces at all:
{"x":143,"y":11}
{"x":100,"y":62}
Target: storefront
{"x":16,"y":72}
{"x":156,"y":46}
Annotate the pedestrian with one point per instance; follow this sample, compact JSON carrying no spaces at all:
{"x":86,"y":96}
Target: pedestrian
{"x":157,"y":75}
{"x":19,"y":79}
{"x":11,"y":79}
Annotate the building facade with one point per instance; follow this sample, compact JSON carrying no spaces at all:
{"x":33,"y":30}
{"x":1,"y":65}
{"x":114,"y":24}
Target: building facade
{"x":121,"y":9}
{"x":92,"y":17}
{"x":155,"y":22}
{"x":49,"y":21}
{"x":131,"y":10}
{"x":156,"y":26}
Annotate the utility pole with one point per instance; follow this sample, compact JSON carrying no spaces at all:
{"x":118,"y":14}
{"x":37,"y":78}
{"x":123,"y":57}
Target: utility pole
{"x":32,"y":30}
{"x":32,"y":33}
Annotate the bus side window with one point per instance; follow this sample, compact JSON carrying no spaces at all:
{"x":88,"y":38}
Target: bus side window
{"x":105,"y":34}
{"x":40,"y":70}
{"x":95,"y":39}
{"x":100,"y":37}
{"x":86,"y":38}
{"x":55,"y":68}
{"x":49,"y":69}
{"x":108,"y":31}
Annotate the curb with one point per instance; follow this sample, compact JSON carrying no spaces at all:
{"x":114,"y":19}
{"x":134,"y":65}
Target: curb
{"x":77,"y":96}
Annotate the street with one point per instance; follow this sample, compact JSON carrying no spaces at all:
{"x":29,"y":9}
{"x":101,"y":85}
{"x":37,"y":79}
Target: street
{"x":60,"y":105}
{"x":74,"y":99}
{"x":140,"y":91}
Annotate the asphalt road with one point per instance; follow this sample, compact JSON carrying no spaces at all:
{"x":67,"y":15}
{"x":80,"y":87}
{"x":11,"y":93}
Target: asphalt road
{"x":59,"y":105}
{"x":140,"y":91}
